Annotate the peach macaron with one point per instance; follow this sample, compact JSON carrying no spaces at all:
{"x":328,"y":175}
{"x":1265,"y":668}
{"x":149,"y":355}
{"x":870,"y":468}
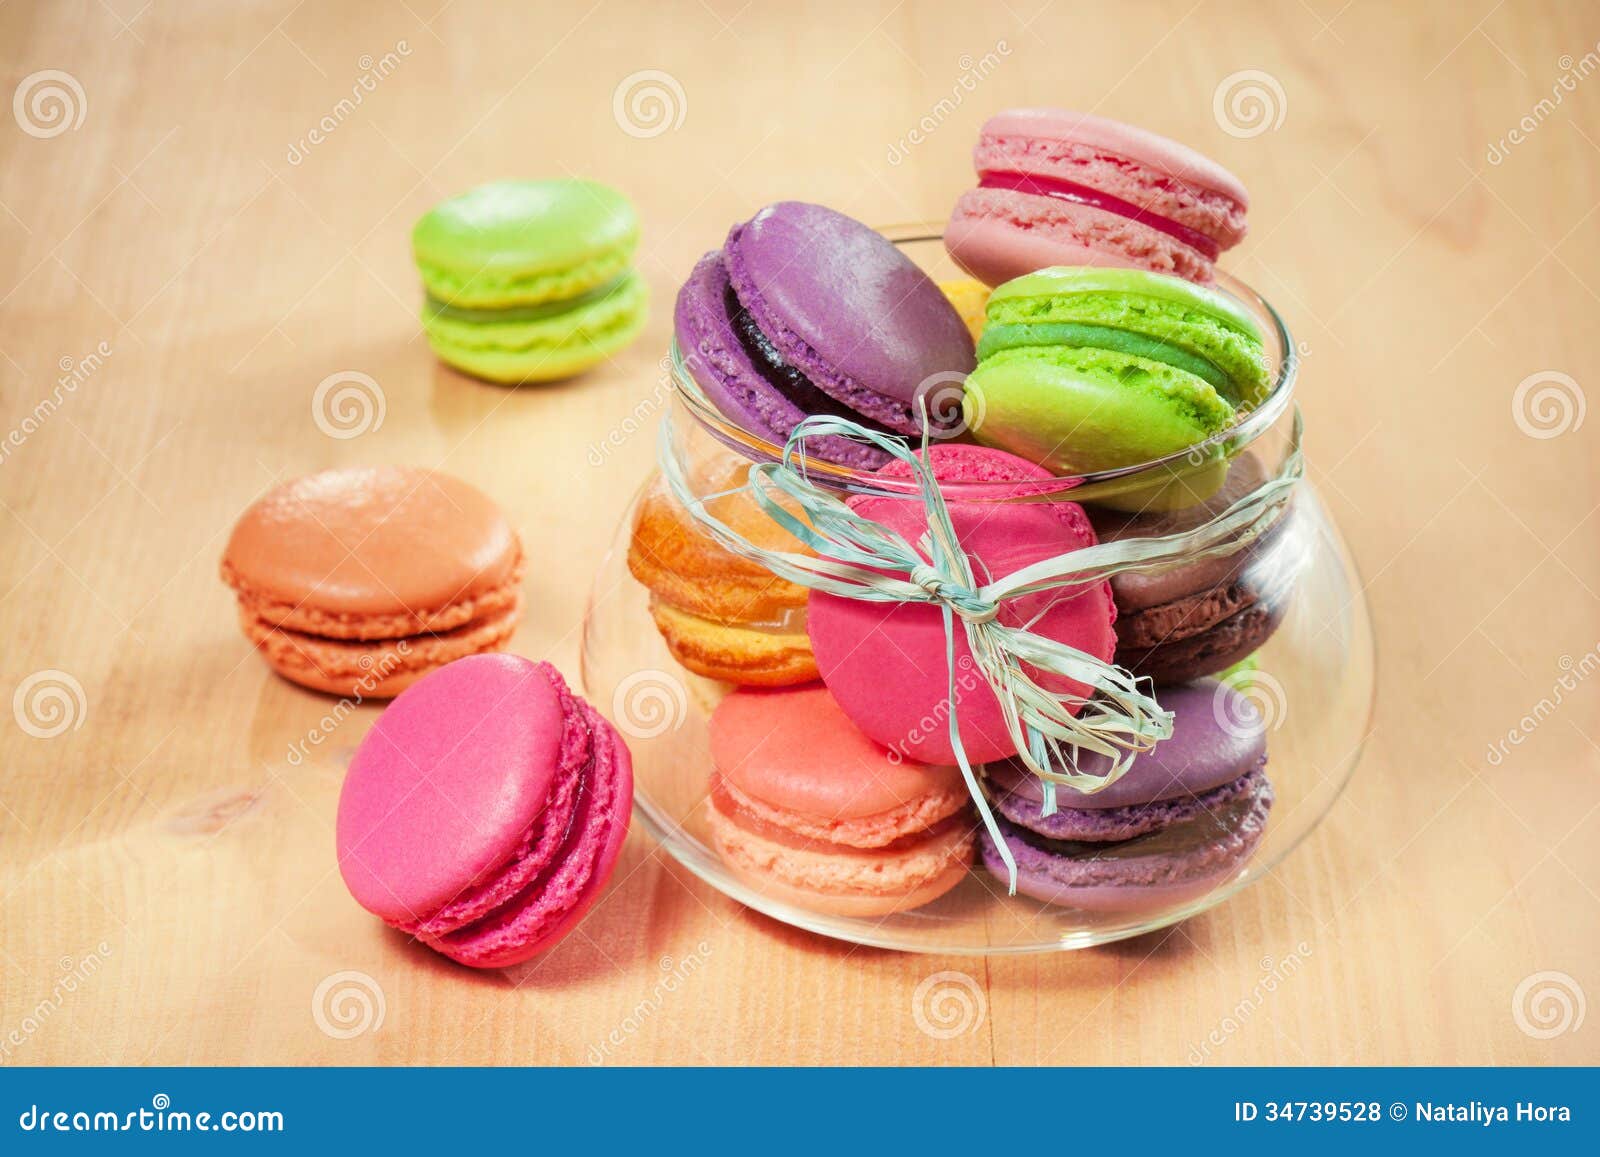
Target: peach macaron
{"x":807,"y":810}
{"x":359,"y":581}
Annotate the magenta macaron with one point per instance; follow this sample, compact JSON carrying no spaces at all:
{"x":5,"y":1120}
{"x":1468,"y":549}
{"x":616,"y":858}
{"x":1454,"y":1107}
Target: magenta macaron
{"x":886,"y":663}
{"x":1067,"y":188}
{"x":484,"y":811}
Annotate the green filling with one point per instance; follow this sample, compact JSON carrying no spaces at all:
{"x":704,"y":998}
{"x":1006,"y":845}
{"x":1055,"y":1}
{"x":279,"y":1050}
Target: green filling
{"x":434,"y":308}
{"x":1157,"y":328}
{"x":1000,"y":337}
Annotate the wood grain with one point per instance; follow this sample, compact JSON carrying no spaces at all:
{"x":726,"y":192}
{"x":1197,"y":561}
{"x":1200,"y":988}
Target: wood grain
{"x":229,"y":264}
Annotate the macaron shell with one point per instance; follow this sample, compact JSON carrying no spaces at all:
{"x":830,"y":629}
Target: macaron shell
{"x":524,"y":242}
{"x":377,"y":668}
{"x":1103,"y":135}
{"x":1116,"y":824}
{"x":887,"y":664}
{"x":843,"y":883}
{"x":997,"y":235}
{"x":553,"y":904}
{"x":1079,"y":410}
{"x":732,"y":382}
{"x":394,"y":549}
{"x":777,"y":655}
{"x":796,"y":750}
{"x":1147,"y":874}
{"x":548,"y":349}
{"x":1200,"y":755}
{"x":859,"y":318}
{"x":468,"y":756}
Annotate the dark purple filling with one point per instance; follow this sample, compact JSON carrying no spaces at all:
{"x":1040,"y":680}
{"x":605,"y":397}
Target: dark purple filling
{"x":1241,"y":797}
{"x":782,"y":376}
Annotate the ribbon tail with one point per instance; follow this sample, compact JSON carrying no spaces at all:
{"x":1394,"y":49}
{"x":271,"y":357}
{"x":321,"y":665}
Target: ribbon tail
{"x":976,"y":792}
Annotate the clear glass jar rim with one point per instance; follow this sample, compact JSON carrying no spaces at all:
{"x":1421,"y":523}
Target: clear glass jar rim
{"x":1257,"y":422}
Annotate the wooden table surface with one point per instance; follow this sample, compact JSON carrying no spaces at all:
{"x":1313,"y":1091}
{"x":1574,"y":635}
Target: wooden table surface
{"x":183,"y":262}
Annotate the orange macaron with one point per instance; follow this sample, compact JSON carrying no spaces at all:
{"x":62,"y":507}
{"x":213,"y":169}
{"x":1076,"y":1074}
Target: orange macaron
{"x":721,"y":615}
{"x":806,"y":809}
{"x":359,"y":581}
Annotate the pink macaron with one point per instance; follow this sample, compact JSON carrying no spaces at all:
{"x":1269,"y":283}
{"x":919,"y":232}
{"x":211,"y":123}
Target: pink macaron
{"x":1068,"y":188}
{"x":885,"y":663}
{"x":484,"y":811}
{"x":806,"y":809}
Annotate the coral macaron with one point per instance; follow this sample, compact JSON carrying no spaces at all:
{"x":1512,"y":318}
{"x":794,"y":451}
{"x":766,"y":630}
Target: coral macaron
{"x":886,"y":664}
{"x":1067,"y":188}
{"x":484,"y":812}
{"x":359,"y":581}
{"x":807,"y":810}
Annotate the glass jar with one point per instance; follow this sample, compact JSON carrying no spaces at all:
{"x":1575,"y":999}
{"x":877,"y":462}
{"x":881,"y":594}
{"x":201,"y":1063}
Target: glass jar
{"x":1309,"y":687}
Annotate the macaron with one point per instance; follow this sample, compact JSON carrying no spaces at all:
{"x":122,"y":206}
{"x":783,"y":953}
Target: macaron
{"x":1182,"y":821}
{"x":1084,"y":370}
{"x":886,"y":663}
{"x":358,"y":581}
{"x":805,"y":311}
{"x":484,"y":811}
{"x":970,"y":297}
{"x":1199,"y":618}
{"x":807,"y":810}
{"x":1068,"y":188}
{"x":530,"y":281}
{"x":721,"y":615}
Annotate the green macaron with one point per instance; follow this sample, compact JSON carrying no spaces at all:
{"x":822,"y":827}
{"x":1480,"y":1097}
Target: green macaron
{"x":530,"y":280}
{"x":1092,"y":369}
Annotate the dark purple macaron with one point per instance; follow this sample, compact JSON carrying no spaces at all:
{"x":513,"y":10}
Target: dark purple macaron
{"x":1202,"y":617}
{"x":1183,"y":820}
{"x":806,"y":311}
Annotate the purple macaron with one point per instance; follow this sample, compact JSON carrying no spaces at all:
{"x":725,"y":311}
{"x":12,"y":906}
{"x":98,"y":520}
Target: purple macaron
{"x":806,"y":311}
{"x":1182,"y":821}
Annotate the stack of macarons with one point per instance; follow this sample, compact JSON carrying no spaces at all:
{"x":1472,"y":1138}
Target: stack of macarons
{"x":530,"y":281}
{"x":359,"y":581}
{"x":1089,"y":338}
{"x":1061,"y":188}
{"x":1182,"y":822}
{"x":722,"y":616}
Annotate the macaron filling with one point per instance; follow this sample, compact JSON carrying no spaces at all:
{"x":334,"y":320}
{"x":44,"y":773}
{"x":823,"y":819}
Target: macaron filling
{"x":567,"y":871}
{"x":1059,"y":189}
{"x":540,"y":311}
{"x":1000,"y":337}
{"x":790,"y":382}
{"x":1102,"y":827}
